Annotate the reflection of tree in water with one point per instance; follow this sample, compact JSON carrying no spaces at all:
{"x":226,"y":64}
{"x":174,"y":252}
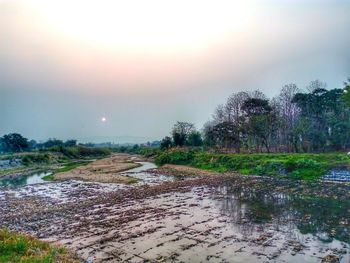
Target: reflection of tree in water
{"x":18,"y":180}
{"x":324,"y":215}
{"x":250,"y":208}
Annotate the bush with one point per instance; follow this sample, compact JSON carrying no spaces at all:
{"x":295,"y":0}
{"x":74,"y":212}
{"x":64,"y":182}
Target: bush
{"x":175,"y":156}
{"x":298,"y":166}
{"x":35,"y":158}
{"x":81,"y":151}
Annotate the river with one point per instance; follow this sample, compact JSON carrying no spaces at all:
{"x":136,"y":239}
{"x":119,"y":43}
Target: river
{"x":242,"y":219}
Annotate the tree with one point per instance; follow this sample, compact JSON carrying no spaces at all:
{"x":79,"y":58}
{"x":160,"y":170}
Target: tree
{"x":288,"y":114}
{"x":70,"y":143}
{"x":32,"y":144}
{"x":346,"y":94}
{"x":194,"y":139}
{"x":53,"y":142}
{"x":166,"y":143}
{"x":259,"y":121}
{"x":181,"y":131}
{"x":14,"y":142}
{"x":326,"y":116}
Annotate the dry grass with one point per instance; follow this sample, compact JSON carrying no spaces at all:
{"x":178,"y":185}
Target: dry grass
{"x":105,"y":170}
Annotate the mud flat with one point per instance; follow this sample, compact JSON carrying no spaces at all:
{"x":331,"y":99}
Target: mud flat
{"x":106,"y":170}
{"x":208,"y":219}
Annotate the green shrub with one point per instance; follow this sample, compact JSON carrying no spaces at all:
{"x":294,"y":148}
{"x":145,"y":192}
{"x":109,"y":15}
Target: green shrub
{"x":36,"y":158}
{"x":298,"y":166}
{"x":178,"y":156}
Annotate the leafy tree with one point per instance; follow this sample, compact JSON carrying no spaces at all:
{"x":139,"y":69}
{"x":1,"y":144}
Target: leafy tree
{"x":259,"y":121}
{"x":53,"y":142}
{"x":181,"y":131}
{"x":14,"y":142}
{"x":346,"y":94}
{"x":194,"y":139}
{"x":70,"y":143}
{"x":166,"y":143}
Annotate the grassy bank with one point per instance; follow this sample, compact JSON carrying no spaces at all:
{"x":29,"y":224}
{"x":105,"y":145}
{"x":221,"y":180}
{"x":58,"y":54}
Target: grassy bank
{"x":26,"y":249}
{"x":68,"y":166}
{"x":298,"y":166}
{"x":49,"y":159}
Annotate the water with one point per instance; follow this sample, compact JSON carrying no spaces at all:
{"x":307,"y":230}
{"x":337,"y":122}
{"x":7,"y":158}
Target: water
{"x":34,"y":186}
{"x":145,"y":177}
{"x":337,"y":176}
{"x":17,"y":181}
{"x":229,"y":223}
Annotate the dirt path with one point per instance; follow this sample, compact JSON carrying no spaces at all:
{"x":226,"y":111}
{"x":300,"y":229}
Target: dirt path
{"x":106,"y":170}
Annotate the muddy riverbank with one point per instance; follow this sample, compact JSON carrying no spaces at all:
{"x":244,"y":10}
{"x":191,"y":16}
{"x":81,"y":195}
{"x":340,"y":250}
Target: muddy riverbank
{"x":107,"y":170}
{"x":227,"y":218}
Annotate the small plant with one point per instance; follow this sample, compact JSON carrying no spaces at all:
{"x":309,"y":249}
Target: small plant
{"x":20,"y":248}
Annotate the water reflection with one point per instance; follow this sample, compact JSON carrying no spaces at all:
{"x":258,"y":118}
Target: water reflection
{"x":16,"y":181}
{"x":145,"y":177}
{"x":326,"y":218}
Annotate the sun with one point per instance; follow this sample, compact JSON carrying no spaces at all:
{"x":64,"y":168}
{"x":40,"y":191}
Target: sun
{"x":103,"y":119}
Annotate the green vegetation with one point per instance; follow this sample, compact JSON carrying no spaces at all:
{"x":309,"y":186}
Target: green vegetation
{"x":76,"y":152}
{"x":26,"y":249}
{"x":35,"y":158}
{"x":66,"y":168}
{"x":132,"y":180}
{"x":298,"y":166}
{"x":136,"y":149}
{"x":48,"y":159}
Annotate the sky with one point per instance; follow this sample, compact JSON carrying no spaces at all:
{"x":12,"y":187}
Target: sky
{"x":143,"y":65}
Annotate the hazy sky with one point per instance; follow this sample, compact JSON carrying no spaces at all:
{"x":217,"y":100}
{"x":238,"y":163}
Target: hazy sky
{"x":146,"y":64}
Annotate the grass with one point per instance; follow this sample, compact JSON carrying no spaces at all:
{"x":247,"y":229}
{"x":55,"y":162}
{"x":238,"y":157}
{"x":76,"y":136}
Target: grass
{"x":21,"y":248}
{"x":132,"y":180}
{"x":294,"y":165}
{"x":66,"y":168}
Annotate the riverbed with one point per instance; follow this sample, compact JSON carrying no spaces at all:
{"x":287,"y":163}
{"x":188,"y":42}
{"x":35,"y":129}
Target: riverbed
{"x":208,"y":219}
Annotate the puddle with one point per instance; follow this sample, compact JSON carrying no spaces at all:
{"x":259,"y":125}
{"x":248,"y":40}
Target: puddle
{"x":18,"y":181}
{"x":337,"y":176}
{"x":145,"y":177}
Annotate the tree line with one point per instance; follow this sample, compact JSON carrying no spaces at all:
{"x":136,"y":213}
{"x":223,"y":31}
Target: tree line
{"x":314,"y":120}
{"x":15,"y":142}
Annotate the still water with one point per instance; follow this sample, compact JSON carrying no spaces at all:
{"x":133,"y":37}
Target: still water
{"x":17,"y":181}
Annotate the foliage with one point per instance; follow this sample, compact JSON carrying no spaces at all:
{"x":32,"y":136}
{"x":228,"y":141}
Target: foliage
{"x":317,"y":120}
{"x":81,"y":151}
{"x":346,"y":94}
{"x":298,"y":166}
{"x":194,"y":139}
{"x":25,"y":249}
{"x":181,"y":131}
{"x":175,"y":156}
{"x":14,"y":142}
{"x":142,"y":150}
{"x":36,"y":158}
{"x":166,"y":143}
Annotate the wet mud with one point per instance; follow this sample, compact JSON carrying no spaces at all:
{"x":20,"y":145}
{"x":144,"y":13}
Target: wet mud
{"x":227,"y":218}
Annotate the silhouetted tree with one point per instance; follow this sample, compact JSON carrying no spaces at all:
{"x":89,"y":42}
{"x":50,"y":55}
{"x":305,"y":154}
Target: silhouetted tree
{"x":14,"y":142}
{"x":181,"y":131}
{"x":194,"y":139}
{"x":166,"y":143}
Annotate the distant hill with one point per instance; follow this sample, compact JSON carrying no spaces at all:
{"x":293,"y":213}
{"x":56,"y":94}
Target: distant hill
{"x":116,"y":139}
